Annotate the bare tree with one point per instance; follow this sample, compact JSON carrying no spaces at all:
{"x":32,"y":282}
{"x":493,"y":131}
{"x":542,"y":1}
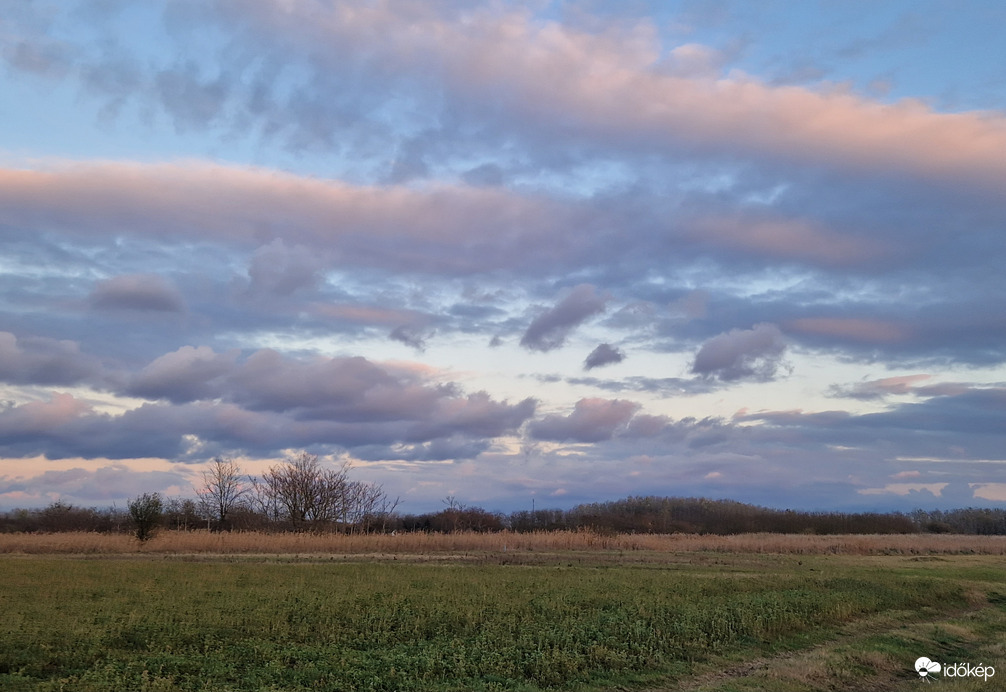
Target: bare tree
{"x":455,"y":508}
{"x":308,"y":495}
{"x":367,"y":503}
{"x":384,"y":509}
{"x":304,"y":492}
{"x":264,"y":501}
{"x":223,"y":489}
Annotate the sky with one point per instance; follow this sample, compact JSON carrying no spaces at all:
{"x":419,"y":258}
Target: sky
{"x":539,"y":253}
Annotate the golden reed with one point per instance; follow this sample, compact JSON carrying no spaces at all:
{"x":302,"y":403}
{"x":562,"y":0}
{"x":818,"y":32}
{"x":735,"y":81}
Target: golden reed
{"x":202,"y":542}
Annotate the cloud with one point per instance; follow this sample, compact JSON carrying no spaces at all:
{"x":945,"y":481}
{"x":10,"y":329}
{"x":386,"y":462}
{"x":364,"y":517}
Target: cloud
{"x":661,"y":386}
{"x":321,"y":77}
{"x":410,"y":336}
{"x":83,"y":486}
{"x":785,"y":238}
{"x":264,"y":402}
{"x":371,"y":315}
{"x":67,"y":428}
{"x":281,"y":270}
{"x":394,"y":228}
{"x":604,"y":354}
{"x":37,"y":416}
{"x":964,"y":425}
{"x":191,"y":100}
{"x":869,"y":331}
{"x":549,"y":330}
{"x":696,"y":60}
{"x":591,"y":420}
{"x":143,"y":292}
{"x":343,"y":388}
{"x":292,"y":228}
{"x":742,"y":354}
{"x":441,"y":449}
{"x":474,"y":415}
{"x":486,"y":174}
{"x":188,"y":374}
{"x":428,"y":166}
{"x":878,"y":389}
{"x":44,"y":361}
{"x":614,"y":80}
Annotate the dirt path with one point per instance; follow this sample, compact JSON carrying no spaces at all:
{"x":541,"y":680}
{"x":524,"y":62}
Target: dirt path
{"x":874,"y":654}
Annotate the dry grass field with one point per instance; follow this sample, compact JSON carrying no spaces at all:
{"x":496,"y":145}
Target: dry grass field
{"x":202,"y":542}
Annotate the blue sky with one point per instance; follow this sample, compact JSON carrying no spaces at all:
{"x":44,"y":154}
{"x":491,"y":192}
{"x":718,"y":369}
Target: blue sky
{"x":503,"y":251}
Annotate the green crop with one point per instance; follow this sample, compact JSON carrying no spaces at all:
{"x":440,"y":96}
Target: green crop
{"x":157,"y":624}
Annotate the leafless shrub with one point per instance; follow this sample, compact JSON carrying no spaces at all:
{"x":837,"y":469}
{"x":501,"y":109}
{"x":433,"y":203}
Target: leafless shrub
{"x":146,"y":511}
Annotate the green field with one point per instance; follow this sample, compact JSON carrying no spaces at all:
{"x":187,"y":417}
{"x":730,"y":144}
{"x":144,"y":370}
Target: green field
{"x":557,"y":622}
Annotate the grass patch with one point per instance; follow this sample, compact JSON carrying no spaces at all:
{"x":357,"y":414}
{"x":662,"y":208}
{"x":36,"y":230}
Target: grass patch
{"x":160,"y":623}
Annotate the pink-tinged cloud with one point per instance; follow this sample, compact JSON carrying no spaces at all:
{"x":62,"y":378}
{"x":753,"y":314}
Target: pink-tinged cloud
{"x":591,"y":420}
{"x":935,"y":489}
{"x":613,"y":87}
{"x":41,"y":416}
{"x":645,"y":425}
{"x":780,"y":238}
{"x":443,"y":228}
{"x":876,"y":389}
{"x":369,"y":314}
{"x":87,"y":485}
{"x":991,"y":491}
{"x":868,"y":331}
{"x":899,"y":385}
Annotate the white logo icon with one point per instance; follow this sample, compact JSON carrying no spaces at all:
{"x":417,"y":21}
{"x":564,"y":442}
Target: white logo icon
{"x":924,"y":667}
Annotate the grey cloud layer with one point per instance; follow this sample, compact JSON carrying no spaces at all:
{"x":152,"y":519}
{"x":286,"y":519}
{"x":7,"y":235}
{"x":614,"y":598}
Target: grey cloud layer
{"x":262,"y":403}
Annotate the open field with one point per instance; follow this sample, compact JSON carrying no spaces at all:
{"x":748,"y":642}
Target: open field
{"x":540,"y":616}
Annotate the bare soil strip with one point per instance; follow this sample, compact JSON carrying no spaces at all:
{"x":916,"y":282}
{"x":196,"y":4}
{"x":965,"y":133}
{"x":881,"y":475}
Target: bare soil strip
{"x":865,"y":656}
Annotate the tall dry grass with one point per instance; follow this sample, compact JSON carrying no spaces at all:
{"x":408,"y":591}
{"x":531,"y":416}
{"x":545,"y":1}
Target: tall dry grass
{"x":201,"y":542}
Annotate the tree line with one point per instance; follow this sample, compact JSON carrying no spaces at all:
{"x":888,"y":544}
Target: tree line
{"x":298,"y":494}
{"x":302,"y":494}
